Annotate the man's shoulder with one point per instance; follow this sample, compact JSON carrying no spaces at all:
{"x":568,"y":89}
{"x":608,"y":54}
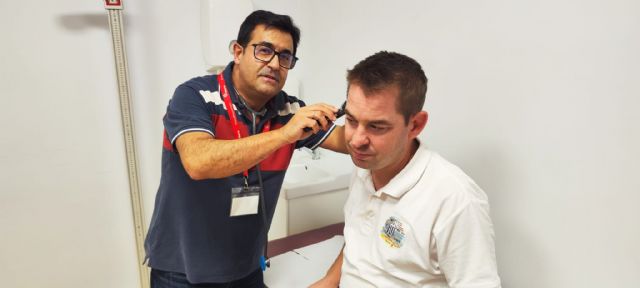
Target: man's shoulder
{"x":291,"y":98}
{"x":286,"y":104}
{"x":201,"y":87}
{"x":440,"y":166}
{"x":206,"y":82}
{"x":451,"y":181}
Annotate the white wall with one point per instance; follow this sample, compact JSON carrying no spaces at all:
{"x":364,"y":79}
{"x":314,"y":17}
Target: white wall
{"x":164,"y":51}
{"x":533,"y":99}
{"x":65,"y":218}
{"x":65,"y":210}
{"x":536,"y":100}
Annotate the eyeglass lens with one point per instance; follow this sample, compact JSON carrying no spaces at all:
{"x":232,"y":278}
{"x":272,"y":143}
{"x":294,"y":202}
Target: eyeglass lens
{"x":266,"y":54}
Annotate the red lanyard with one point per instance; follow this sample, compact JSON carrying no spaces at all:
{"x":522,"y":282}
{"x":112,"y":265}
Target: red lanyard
{"x":232,"y":115}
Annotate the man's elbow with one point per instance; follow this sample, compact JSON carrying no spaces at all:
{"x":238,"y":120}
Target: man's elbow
{"x":201,"y":172}
{"x":194,"y":169}
{"x":194,"y":173}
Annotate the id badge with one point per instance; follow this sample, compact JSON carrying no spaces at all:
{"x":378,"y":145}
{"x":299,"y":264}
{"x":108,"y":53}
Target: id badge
{"x":244,"y":200}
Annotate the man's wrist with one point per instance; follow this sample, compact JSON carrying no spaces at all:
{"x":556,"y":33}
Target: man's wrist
{"x":332,"y":278}
{"x":282,"y":135}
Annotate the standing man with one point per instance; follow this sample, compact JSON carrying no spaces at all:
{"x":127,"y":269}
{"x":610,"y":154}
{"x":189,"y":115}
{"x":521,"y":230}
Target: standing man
{"x":412,"y":219}
{"x":228,"y":141}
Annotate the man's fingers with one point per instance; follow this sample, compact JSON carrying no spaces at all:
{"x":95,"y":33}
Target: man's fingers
{"x":326,"y":109}
{"x":321,"y":118}
{"x":316,"y":117}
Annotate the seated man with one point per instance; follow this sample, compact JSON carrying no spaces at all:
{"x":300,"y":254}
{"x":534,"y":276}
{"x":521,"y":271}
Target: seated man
{"x":412,"y":219}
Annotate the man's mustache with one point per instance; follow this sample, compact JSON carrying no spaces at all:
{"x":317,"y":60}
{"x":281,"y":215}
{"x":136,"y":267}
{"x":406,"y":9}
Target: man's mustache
{"x":268,"y":74}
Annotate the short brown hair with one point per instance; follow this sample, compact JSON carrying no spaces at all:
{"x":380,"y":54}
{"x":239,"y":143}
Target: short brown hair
{"x":387,"y":69}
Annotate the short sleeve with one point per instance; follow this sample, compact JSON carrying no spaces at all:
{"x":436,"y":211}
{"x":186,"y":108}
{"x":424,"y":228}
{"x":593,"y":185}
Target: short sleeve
{"x":187,"y":111}
{"x":313,"y":141}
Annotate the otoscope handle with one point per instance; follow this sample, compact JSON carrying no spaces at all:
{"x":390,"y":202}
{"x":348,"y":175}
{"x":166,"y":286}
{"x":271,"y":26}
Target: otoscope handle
{"x":339,"y":114}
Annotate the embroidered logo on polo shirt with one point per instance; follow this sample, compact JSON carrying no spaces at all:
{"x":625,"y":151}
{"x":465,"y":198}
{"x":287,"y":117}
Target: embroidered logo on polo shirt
{"x":392,"y":232}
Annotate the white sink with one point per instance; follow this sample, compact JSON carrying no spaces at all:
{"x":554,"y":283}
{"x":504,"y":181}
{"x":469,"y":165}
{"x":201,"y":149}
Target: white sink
{"x":307,"y":177}
{"x":304,"y":173}
{"x":313,"y":193}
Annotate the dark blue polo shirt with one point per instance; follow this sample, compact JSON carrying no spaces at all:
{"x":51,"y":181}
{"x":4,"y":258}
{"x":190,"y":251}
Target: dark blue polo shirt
{"x":191,"y":231}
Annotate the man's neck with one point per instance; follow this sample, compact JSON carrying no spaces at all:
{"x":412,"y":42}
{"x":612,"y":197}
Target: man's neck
{"x":382,"y":177}
{"x":250,"y":102}
{"x":254,"y":103}
{"x":251,"y":109}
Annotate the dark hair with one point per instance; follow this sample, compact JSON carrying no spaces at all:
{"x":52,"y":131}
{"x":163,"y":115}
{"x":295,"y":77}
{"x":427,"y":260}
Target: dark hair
{"x":270,"y":20}
{"x":387,"y":69}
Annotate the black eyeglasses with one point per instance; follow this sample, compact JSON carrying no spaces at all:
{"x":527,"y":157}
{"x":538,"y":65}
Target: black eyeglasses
{"x":265,"y":54}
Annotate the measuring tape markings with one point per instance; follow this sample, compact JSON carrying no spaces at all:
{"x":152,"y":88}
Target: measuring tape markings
{"x":114,"y":8}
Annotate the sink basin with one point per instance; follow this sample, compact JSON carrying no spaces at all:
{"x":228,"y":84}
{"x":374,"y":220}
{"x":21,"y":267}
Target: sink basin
{"x":304,"y":173}
{"x":313,"y":193}
{"x":309,"y":177}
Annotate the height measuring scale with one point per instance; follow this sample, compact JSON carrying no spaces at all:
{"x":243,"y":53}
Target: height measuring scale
{"x":114,"y":7}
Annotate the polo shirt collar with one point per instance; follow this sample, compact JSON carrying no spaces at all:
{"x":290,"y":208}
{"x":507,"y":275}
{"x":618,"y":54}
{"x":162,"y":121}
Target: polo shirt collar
{"x":403,"y":181}
{"x":273,"y":106}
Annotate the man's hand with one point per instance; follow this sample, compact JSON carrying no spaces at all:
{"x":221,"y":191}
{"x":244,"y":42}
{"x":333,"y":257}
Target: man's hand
{"x":315,"y":117}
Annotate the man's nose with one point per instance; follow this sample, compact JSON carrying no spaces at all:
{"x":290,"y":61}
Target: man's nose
{"x":359,"y":138}
{"x":274,"y":64}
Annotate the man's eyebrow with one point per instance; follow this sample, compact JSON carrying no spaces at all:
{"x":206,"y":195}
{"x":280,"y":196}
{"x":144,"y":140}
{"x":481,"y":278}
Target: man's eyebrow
{"x":270,"y":45}
{"x":346,"y":112}
{"x":380,"y":122}
{"x":374,"y":122}
{"x":265,"y":43}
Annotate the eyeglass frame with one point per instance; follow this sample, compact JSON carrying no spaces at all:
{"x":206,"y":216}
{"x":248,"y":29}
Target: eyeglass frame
{"x":267,"y":45}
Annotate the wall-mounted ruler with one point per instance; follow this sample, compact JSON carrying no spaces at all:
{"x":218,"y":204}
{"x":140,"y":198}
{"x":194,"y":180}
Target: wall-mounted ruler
{"x":114,"y":7}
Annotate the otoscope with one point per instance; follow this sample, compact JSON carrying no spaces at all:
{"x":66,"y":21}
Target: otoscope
{"x":342,"y":110}
{"x":339,"y":114}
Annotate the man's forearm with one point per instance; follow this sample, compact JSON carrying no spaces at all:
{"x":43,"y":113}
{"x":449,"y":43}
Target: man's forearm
{"x":332,"y":278}
{"x":204,"y":157}
{"x":335,"y":271}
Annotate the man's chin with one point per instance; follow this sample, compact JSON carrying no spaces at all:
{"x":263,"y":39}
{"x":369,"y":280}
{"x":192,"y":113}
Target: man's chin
{"x":271,"y":83}
{"x":361,"y":163}
{"x":270,"y":90}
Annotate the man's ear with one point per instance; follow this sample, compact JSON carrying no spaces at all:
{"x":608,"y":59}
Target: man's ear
{"x":237,"y":51}
{"x":417,"y":122}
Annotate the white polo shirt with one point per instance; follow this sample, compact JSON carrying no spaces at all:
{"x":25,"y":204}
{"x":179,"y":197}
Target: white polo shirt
{"x":428,"y":227}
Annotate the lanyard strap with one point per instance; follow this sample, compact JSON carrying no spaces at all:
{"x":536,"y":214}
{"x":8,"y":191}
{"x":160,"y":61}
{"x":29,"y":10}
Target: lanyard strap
{"x":232,"y":115}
